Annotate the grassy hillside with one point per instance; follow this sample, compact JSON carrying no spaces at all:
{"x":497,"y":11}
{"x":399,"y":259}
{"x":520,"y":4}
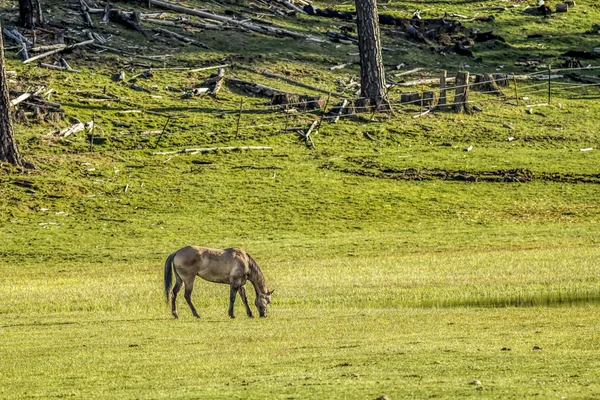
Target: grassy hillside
{"x":402,"y":264}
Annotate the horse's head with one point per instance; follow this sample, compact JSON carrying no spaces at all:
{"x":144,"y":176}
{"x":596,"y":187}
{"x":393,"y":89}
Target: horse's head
{"x":262,"y":303}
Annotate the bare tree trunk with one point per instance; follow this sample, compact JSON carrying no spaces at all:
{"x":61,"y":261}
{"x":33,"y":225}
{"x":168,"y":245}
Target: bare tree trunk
{"x":30,"y":14}
{"x":372,"y":74}
{"x":8,"y":146}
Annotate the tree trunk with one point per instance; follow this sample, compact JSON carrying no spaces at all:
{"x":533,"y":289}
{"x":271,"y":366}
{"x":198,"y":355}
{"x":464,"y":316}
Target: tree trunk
{"x":8,"y":146}
{"x":372,"y":75}
{"x":30,"y":14}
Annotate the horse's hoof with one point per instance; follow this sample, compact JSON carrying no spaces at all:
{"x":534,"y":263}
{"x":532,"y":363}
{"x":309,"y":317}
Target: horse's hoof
{"x":175,"y":315}
{"x":197,"y":316}
{"x":232,"y":316}
{"x":250,"y":316}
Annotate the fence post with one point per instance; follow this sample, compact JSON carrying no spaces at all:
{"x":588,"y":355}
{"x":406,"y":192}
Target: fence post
{"x":324,"y":111}
{"x":549,"y":84}
{"x":92,"y":132}
{"x":516,"y":89}
{"x":442,"y":100}
{"x":237,"y":128}
{"x":162,"y":132}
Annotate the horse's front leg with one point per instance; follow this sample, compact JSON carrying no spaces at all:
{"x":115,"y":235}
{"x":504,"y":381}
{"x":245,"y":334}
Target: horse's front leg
{"x":245,"y":301}
{"x":232,"y":293}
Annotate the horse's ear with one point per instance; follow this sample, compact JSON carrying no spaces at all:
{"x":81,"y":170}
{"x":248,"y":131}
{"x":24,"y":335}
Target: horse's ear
{"x":271,"y":292}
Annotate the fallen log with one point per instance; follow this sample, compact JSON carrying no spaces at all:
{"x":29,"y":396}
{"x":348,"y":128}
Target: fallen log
{"x":59,"y":68}
{"x":254,"y":88}
{"x":288,"y":80}
{"x":49,"y":53}
{"x":182,"y":38}
{"x":125,"y":53}
{"x":19,"y":99}
{"x":178,"y":23}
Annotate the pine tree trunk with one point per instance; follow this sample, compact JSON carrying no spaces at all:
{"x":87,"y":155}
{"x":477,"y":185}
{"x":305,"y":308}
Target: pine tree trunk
{"x":372,"y":74}
{"x":8,"y":146}
{"x":30,"y":14}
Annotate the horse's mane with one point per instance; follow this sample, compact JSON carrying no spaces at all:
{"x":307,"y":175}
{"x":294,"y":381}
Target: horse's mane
{"x":257,"y":273}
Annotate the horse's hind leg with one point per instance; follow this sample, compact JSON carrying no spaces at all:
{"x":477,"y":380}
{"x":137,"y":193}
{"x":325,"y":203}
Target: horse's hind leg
{"x":176,"y":289}
{"x":189,"y":286}
{"x":242,"y":291}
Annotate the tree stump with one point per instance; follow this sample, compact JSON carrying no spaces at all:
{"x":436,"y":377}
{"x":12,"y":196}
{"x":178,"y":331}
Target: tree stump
{"x":461,"y":97}
{"x":428,"y":99}
{"x":298,"y":101}
{"x":501,"y":79}
{"x":487,"y":84}
{"x":410,"y":98}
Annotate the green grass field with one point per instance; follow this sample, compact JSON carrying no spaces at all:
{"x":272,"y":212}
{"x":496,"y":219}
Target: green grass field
{"x":384,"y":285}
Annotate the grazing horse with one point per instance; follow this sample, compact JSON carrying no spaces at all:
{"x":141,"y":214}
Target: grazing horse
{"x":229,"y":266}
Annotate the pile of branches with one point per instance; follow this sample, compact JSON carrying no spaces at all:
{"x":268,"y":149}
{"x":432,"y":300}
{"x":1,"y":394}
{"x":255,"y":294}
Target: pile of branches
{"x":33,"y":103}
{"x":442,"y":34}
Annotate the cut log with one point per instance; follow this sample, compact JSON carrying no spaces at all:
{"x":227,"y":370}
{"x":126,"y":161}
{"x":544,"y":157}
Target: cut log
{"x":19,"y":99}
{"x":564,"y":7}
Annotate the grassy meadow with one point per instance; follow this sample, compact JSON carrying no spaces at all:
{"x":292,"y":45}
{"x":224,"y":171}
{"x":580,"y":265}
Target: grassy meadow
{"x":388,"y":279}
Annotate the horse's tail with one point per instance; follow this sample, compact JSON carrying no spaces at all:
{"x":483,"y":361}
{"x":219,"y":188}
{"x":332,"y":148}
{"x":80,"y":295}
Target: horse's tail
{"x":169,"y":275}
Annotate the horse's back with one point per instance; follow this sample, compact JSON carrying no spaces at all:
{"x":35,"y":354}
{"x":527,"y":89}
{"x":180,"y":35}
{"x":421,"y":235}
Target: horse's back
{"x":215,"y":265}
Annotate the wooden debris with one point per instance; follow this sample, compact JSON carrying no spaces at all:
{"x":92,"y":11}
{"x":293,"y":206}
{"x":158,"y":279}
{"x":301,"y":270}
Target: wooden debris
{"x":307,"y":136}
{"x":209,"y":68}
{"x":254,"y":88}
{"x":268,"y":30}
{"x":137,"y":87}
{"x":288,"y":80}
{"x":182,"y":38}
{"x":129,"y":20}
{"x":118,"y":77}
{"x":59,"y":68}
{"x":19,"y":99}
{"x":211,"y":149}
{"x":51,"y":52}
{"x":77,"y":127}
{"x":340,"y":111}
{"x":563,"y":7}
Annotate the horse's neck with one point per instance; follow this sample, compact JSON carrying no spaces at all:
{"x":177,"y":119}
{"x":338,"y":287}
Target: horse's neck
{"x":258,"y":281}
